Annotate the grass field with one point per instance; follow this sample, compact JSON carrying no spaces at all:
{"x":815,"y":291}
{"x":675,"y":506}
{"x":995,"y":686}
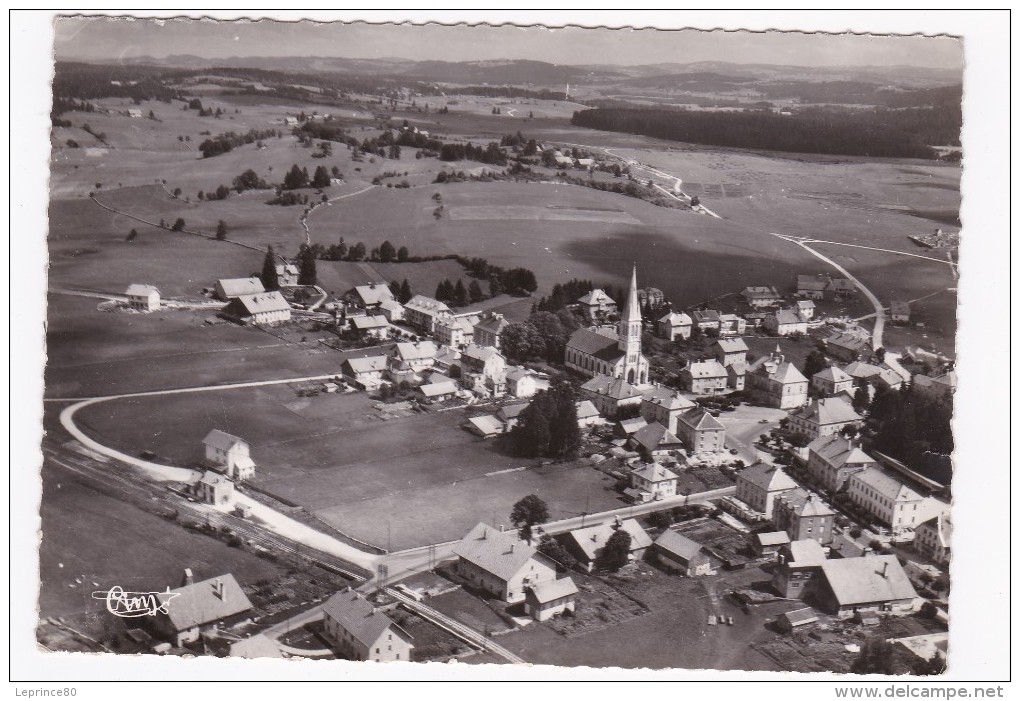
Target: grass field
{"x":407,"y":481}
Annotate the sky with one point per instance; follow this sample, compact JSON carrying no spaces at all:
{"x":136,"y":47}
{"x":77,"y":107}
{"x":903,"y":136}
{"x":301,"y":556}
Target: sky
{"x":104,"y":38}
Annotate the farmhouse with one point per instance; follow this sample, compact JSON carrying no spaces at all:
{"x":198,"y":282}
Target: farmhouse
{"x":587,"y":415}
{"x":586,"y":544}
{"x":942,"y":386}
{"x":760,"y":484}
{"x":439,"y":391}
{"x":371,"y":326}
{"x":886,"y":499}
{"x":261,"y":308}
{"x":422,"y":312}
{"x":230,"y":453}
{"x":625,"y":428}
{"x":823,"y":417}
{"x":521,"y":382}
{"x":362,"y":632}
{"x":812,"y":286}
{"x":785,"y":322}
{"x":762,"y":296}
{"x":730,"y":350}
{"x":367,"y":371}
{"x":483,"y":370}
{"x":847,"y":347}
{"x":651,"y":483}
{"x":134,"y":113}
{"x":731,"y":325}
{"x":675,"y":325}
{"x":229,"y":288}
{"x":677,"y":553}
{"x":413,"y":357}
{"x":489,"y":330}
{"x":833,"y":459}
{"x":610,"y":394}
{"x":510,"y":414}
{"x":875,"y":375}
{"x":196,"y":608}
{"x":500,"y":563}
{"x":700,"y":431}
{"x":860,"y":584}
{"x":548,"y":599}
{"x":144,"y":298}
{"x":705,"y":377}
{"x":776,"y":382}
{"x":832,"y":381}
{"x":597,"y":305}
{"x":593,"y":353}
{"x":803,"y":516}
{"x":213,"y":488}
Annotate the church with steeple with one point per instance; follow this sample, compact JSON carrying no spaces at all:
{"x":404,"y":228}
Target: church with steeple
{"x":613,"y":353}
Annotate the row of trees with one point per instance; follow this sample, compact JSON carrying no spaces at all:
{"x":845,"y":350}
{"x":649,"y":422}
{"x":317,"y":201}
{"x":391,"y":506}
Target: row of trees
{"x":297,"y":178}
{"x":907,"y":424}
{"x":458,"y":295}
{"x":228,"y":141}
{"x":543,"y":336}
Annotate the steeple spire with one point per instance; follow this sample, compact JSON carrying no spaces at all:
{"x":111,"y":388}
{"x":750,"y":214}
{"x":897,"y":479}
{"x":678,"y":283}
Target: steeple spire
{"x":629,"y":334}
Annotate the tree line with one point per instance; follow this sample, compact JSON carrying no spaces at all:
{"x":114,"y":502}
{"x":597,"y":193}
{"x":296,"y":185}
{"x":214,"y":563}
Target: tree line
{"x":874,"y":132}
{"x":228,"y":141}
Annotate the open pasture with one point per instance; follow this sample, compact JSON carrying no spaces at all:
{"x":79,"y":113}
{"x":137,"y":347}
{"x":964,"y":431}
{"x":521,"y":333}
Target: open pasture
{"x":422,"y":477}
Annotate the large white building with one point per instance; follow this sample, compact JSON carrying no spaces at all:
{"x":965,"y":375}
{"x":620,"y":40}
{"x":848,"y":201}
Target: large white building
{"x":617,"y":355}
{"x":143,"y":297}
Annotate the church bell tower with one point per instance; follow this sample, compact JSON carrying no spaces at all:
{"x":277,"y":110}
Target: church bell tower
{"x":629,"y":334}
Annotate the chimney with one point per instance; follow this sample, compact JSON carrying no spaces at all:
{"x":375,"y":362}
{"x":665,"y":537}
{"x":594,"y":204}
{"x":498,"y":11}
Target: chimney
{"x":595,"y":537}
{"x":485,"y":533}
{"x":511,"y":547}
{"x":218,"y":589}
{"x":189,"y":578}
{"x":885,"y":569}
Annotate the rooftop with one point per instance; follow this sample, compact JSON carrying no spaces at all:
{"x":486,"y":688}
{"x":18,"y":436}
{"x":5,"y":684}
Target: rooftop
{"x":501,"y":554}
{"x":375,"y":293}
{"x":826,"y":411}
{"x":677,"y":544}
{"x":886,"y":485}
{"x":234,"y":287}
{"x":767,"y":477}
{"x":862,"y":580}
{"x":706,"y":369}
{"x":551,"y":591}
{"x":220,"y":439}
{"x":654,"y":473}
{"x":359,"y":617}
{"x":204,"y":602}
{"x":261,"y":302}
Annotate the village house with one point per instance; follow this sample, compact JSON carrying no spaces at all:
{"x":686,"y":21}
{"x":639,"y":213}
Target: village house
{"x":213,"y":488}
{"x":768,"y":544}
{"x":941,"y":387}
{"x":489,"y":330}
{"x":587,"y":415}
{"x":447,"y":359}
{"x":501,"y":564}
{"x":610,"y":394}
{"x":521,"y":382}
{"x":803,"y":516}
{"x":229,"y":288}
{"x":651,"y":483}
{"x":196,"y":608}
{"x":230,"y":454}
{"x":736,"y":375}
{"x":375,"y":327}
{"x":675,"y":325}
{"x":483,"y":370}
{"x":392,"y":310}
{"x":485,"y":426}
{"x":755,"y":320}
{"x":730,"y":350}
{"x":761,"y":296}
{"x":422,"y":312}
{"x":367,"y":371}
{"x":454,"y":331}
{"x":705,"y":377}
{"x":887,"y":499}
{"x":438,"y":391}
{"x":677,"y":553}
{"x":586,"y":544}
{"x":371,"y":296}
{"x":823,"y":417}
{"x":833,"y":459}
{"x":800,"y":564}
{"x":700,"y":431}
{"x":731,"y":325}
{"x":874,"y":375}
{"x":934,"y":537}
{"x":832,"y":381}
{"x":664,"y":405}
{"x":812,"y":286}
{"x":840,"y":288}
{"x":287,"y":274}
{"x":847,"y":347}
{"x":413,"y":357}
{"x":134,"y":113}
{"x":510,"y":414}
{"x":144,"y":298}
{"x":858,"y":585}
{"x":597,"y":305}
{"x":625,"y":428}
{"x":805,"y":309}
{"x":362,"y":632}
{"x":759,"y":484}
{"x":654,"y":440}
{"x":785,"y":322}
{"x":776,"y":382}
{"x":548,"y":599}
{"x":617,"y":355}
{"x":706,"y":320}
{"x":261,"y":309}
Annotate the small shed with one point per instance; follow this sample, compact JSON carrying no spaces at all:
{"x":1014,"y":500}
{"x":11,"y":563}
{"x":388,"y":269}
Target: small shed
{"x":769,"y":543}
{"x":791,"y":620}
{"x":548,"y":599}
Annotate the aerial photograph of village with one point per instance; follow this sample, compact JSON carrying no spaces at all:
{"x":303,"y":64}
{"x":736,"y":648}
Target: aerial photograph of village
{"x":545,"y":352}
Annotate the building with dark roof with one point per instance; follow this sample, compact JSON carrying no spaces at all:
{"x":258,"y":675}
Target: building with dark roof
{"x":804,"y":516}
{"x":774,"y":381}
{"x":259,"y":308}
{"x":195,"y":608}
{"x":362,"y":632}
{"x":700,"y":431}
{"x":759,"y":484}
{"x":824,"y":417}
{"x":228,"y":288}
{"x":862,"y":584}
{"x":832,"y":381}
{"x":610,"y":394}
{"x":833,"y":459}
{"x":800,"y":562}
{"x":490,"y":329}
{"x":678,"y":553}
